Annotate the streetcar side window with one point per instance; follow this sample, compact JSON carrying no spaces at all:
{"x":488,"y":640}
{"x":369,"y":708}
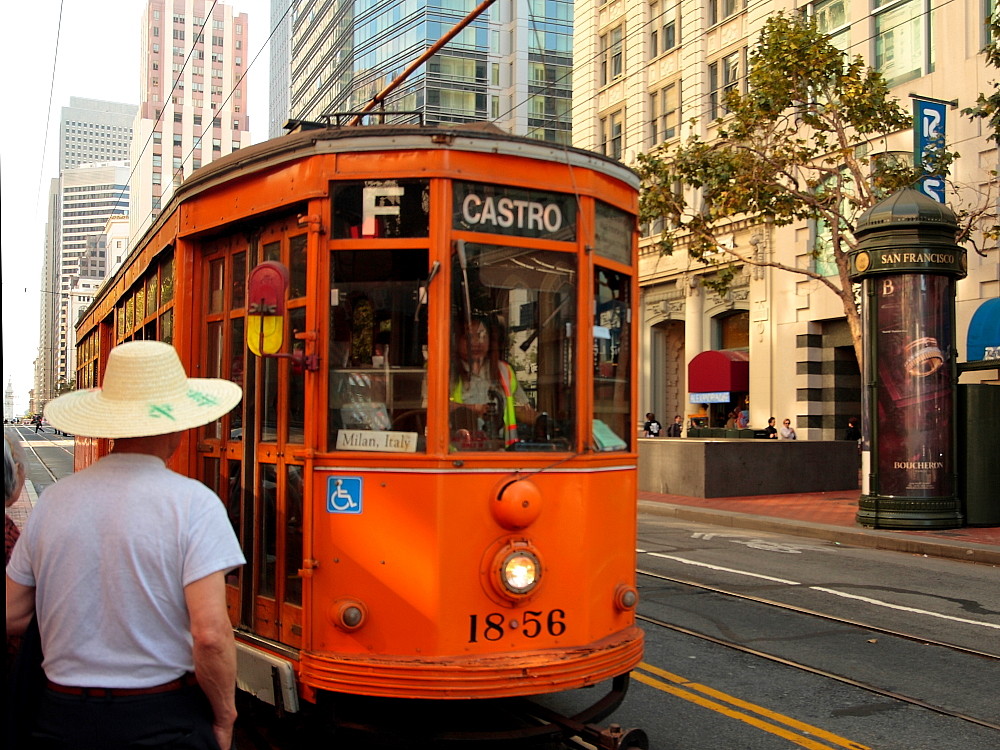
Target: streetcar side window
{"x":378,"y":350}
{"x":612,"y":378}
{"x":512,"y":380}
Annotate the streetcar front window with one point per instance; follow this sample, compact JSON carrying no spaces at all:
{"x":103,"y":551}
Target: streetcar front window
{"x":512,"y":355}
{"x":378,"y":350}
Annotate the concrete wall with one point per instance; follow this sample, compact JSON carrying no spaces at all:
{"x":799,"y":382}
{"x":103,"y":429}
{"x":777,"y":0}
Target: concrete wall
{"x":730,"y":468}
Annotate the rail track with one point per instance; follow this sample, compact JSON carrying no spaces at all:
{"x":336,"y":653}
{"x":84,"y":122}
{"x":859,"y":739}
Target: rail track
{"x":811,"y":669}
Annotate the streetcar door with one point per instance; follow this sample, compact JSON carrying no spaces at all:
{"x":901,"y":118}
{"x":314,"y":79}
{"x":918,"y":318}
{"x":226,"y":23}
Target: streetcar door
{"x":276,"y":480}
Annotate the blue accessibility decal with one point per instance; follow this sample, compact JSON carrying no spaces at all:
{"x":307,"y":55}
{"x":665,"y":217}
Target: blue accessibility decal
{"x":343,"y":495}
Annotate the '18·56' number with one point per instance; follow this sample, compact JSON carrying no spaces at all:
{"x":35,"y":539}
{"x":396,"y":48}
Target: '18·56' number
{"x":493,"y":626}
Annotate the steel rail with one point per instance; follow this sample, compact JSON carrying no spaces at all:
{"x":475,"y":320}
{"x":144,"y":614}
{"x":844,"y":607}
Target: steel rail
{"x":815,"y":670}
{"x":823,"y":616}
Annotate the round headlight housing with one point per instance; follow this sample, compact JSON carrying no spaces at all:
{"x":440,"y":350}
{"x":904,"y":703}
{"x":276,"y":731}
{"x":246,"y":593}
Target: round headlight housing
{"x":520,"y":571}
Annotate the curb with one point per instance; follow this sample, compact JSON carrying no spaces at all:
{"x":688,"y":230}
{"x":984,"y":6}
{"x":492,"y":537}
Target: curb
{"x":874,"y":539}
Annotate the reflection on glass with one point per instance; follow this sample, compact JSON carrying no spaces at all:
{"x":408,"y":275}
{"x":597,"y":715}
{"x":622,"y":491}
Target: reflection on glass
{"x":232,"y":498}
{"x":237,"y":359}
{"x":269,"y":396}
{"x":296,"y":406}
{"x":293,"y":534}
{"x":216,"y":296}
{"x":268,"y":519}
{"x":213,"y":369}
{"x":511,"y":385}
{"x":378,"y":349}
{"x":239,"y":287}
{"x":167,"y":280}
{"x":612,"y":340}
{"x":297,"y":266}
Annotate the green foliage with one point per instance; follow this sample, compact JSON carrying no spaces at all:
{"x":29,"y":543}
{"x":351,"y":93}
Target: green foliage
{"x":988,"y":107}
{"x":792,"y":148}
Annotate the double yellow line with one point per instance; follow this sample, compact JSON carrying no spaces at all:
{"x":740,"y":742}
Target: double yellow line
{"x":798,"y":732}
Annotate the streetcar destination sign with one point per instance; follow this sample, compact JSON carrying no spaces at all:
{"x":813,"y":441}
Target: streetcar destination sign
{"x":499,"y":209}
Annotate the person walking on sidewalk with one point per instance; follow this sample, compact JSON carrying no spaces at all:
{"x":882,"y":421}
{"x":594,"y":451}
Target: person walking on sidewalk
{"x":124,"y":565}
{"x":674,"y":430}
{"x":651,"y":428}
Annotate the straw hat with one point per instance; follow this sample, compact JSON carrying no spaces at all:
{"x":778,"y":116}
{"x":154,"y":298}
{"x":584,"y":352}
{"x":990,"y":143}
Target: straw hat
{"x":145,"y":392}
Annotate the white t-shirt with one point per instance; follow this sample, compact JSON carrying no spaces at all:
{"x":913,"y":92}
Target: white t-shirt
{"x":109,"y":551}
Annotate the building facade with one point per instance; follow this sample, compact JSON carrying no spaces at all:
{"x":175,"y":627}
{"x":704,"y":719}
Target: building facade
{"x":512,"y":65}
{"x":280,"y":55}
{"x":193,"y":98}
{"x":94,"y":141}
{"x":88,"y":197}
{"x":649,"y":72}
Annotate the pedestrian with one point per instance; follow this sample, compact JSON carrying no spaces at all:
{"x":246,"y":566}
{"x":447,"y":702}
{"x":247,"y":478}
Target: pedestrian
{"x":853,"y":431}
{"x":651,"y":428}
{"x":787,"y":432}
{"x":124,"y":565}
{"x":674,"y":430}
{"x":14,"y":470}
{"x":37,"y":420}
{"x":771,"y":432}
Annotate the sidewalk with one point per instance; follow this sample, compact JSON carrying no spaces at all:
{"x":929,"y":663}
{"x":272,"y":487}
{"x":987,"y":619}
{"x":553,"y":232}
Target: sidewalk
{"x":825,"y":515}
{"x":21,"y":509}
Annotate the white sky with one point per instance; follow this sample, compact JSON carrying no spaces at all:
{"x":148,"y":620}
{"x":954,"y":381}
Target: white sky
{"x":97,"y":59}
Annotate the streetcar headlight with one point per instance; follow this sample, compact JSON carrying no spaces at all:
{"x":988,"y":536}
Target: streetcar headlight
{"x":520,"y":571}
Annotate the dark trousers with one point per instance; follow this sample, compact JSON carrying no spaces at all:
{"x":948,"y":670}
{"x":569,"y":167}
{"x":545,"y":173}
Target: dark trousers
{"x":181,"y":719}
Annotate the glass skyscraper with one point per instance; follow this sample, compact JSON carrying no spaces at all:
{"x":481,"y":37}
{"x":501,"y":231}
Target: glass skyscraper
{"x":511,"y":66}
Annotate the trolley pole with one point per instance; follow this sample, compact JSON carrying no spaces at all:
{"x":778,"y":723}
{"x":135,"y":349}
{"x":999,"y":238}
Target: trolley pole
{"x":907,"y":261}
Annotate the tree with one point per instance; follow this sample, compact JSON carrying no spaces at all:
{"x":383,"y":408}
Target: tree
{"x":792,"y":148}
{"x":988,"y":107}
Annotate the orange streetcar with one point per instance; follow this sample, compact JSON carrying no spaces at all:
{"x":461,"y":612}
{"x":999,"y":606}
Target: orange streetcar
{"x":433,"y":469}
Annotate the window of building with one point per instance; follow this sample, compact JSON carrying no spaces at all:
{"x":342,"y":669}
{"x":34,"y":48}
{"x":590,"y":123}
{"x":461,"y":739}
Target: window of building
{"x":665,"y":113}
{"x":903,"y":40}
{"x":831,"y":18}
{"x":720,"y":10}
{"x":663,"y":27}
{"x":724,"y":76}
{"x":612,"y":49}
{"x":612,"y":131}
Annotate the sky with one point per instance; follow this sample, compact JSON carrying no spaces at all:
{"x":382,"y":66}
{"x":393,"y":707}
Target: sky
{"x":98,"y":58}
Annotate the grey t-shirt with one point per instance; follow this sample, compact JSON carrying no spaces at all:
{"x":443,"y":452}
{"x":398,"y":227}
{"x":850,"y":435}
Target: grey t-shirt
{"x":109,"y":551}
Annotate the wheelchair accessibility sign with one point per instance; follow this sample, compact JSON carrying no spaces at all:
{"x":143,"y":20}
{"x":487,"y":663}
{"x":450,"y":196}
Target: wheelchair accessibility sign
{"x":343,"y":495}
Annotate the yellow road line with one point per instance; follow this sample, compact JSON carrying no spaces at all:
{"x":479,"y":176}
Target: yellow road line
{"x":690,"y":690}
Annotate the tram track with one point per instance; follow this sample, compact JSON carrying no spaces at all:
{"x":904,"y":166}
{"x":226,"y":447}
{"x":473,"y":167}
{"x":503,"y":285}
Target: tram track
{"x":29,"y":445}
{"x":843,"y":679}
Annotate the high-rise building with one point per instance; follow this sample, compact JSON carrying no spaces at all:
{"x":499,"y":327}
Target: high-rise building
{"x":194,"y":98}
{"x":88,"y":196}
{"x":279,"y":79}
{"x":94,"y":142}
{"x":511,"y":66}
{"x":94,"y":131}
{"x":649,"y":73}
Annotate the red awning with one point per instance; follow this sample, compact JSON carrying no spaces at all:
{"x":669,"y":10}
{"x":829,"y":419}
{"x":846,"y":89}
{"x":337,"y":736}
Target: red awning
{"x":714,"y":371}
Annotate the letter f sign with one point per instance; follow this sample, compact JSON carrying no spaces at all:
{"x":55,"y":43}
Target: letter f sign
{"x":371,"y":208}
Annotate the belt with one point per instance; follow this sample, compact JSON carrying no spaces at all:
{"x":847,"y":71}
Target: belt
{"x":187,"y":680}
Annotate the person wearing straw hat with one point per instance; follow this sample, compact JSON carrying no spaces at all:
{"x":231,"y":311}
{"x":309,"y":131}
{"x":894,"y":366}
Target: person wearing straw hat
{"x":124,"y":565}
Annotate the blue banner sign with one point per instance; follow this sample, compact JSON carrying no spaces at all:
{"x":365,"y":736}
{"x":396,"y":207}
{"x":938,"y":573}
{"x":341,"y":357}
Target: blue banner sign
{"x":929,"y":117}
